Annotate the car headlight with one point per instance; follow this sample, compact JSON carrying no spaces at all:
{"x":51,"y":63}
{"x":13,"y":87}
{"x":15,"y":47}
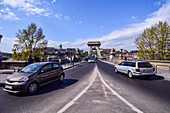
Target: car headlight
{"x":24,"y":79}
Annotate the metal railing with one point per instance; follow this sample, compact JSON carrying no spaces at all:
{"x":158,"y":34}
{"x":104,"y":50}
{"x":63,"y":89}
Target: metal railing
{"x":162,"y":66}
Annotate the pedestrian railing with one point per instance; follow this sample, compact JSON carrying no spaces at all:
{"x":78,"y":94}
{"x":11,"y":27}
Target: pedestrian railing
{"x":162,"y":66}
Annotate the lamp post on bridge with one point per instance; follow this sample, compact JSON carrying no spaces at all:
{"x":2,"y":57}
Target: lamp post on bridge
{"x":0,"y":51}
{"x":168,"y":45}
{"x":121,"y":50}
{"x":0,"y":37}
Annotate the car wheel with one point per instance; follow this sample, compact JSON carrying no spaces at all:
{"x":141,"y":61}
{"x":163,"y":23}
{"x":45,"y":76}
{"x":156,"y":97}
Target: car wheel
{"x":130,"y":74}
{"x":33,"y":87}
{"x":116,"y":70}
{"x":10,"y":93}
{"x":61,"y":78}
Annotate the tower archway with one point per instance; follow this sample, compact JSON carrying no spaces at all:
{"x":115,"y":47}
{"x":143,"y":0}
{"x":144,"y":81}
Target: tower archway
{"x":94,"y":49}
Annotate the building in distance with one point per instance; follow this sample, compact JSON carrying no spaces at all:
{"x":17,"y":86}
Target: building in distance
{"x":60,"y":51}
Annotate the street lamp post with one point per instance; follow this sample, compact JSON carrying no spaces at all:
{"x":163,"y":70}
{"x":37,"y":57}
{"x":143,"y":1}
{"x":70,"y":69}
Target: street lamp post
{"x":121,"y":50}
{"x":0,"y":37}
{"x":0,"y":42}
{"x":168,"y":44}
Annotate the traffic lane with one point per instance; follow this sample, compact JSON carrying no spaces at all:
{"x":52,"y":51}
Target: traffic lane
{"x":99,"y":99}
{"x":149,"y":95}
{"x":74,"y":73}
{"x":51,"y":97}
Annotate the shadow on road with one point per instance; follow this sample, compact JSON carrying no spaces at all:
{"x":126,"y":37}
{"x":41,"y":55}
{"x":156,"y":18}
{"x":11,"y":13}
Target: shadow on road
{"x":153,"y":77}
{"x":51,"y":87}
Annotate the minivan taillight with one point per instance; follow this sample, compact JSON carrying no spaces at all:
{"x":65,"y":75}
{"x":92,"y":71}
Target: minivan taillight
{"x":137,"y":70}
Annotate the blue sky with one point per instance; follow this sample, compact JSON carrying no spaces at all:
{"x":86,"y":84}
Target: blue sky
{"x":72,"y":23}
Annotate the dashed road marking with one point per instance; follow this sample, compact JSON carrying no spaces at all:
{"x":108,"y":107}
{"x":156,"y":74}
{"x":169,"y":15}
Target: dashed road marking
{"x":80,"y":94}
{"x":95,"y":73}
{"x":120,"y":97}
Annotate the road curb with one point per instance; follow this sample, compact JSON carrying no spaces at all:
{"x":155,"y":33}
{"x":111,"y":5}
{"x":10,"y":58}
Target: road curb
{"x":111,"y":63}
{"x":6,"y":72}
{"x":72,"y":66}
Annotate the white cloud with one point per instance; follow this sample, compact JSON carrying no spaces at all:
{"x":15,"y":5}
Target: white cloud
{"x":6,"y":44}
{"x":80,"y":22}
{"x":58,"y":16}
{"x":46,"y":14}
{"x":67,"y":18}
{"x":53,"y":1}
{"x":117,"y":39}
{"x":157,"y":4}
{"x":133,"y":17}
{"x":7,"y":14}
{"x":123,"y":38}
{"x":30,"y":6}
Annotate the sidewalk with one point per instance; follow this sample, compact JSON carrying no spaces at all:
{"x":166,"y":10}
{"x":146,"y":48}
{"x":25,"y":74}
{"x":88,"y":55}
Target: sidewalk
{"x":161,"y":71}
{"x":6,"y":72}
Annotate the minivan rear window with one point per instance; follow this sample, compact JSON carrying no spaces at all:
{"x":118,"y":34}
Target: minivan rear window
{"x":144,"y":65}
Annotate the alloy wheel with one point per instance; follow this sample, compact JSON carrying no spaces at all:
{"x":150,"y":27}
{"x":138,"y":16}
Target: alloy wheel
{"x":130,"y":75}
{"x":61,"y":78}
{"x":33,"y":87}
{"x":116,"y":70}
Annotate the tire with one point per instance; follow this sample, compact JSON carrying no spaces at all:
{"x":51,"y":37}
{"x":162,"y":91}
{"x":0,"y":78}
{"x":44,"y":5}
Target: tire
{"x":33,"y":87}
{"x":130,"y":74}
{"x":61,"y":78}
{"x":116,"y":70}
{"x":10,"y":93}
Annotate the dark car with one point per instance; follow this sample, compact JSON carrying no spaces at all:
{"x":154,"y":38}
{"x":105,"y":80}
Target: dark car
{"x":31,"y":77}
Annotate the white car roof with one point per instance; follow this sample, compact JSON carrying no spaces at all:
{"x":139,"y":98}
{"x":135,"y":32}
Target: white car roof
{"x":136,"y":61}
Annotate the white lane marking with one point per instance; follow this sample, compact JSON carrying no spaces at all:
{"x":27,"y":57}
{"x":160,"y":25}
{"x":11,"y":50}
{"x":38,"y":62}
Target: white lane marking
{"x":120,"y":97}
{"x":104,"y":90}
{"x":80,"y":94}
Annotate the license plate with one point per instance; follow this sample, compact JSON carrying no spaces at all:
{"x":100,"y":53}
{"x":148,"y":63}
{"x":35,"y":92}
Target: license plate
{"x":146,"y":71}
{"x":8,"y":87}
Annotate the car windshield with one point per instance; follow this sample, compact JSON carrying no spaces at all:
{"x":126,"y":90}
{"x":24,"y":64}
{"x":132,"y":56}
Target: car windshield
{"x":91,"y":59}
{"x":31,"y":68}
{"x":144,"y":65}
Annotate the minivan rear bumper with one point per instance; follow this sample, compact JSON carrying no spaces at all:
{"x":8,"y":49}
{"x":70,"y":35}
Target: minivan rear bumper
{"x":143,"y":74}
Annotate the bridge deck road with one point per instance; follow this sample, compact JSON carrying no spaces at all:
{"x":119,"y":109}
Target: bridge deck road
{"x":149,"y":94}
{"x":93,"y":87}
{"x":51,"y":97}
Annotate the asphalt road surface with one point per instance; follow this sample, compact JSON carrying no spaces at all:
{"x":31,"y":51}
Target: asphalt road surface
{"x":93,"y":88}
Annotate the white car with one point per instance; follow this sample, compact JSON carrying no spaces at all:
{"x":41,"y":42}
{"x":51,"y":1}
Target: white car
{"x":91,"y":60}
{"x":135,"y":68}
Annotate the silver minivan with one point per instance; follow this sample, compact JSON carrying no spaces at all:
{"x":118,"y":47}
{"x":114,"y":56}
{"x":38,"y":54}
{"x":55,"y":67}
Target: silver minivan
{"x":135,"y":68}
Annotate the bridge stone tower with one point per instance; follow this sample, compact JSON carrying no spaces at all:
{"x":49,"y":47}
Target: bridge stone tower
{"x":93,"y":49}
{"x":112,"y":54}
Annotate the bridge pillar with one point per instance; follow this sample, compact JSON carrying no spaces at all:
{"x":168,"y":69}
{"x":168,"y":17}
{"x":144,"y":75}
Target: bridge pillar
{"x":94,"y":46}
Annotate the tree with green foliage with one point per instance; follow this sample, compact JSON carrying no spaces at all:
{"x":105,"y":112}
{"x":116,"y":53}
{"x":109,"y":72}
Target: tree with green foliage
{"x":163,"y":30}
{"x":29,"y":41}
{"x":146,"y":43}
{"x":153,"y":41}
